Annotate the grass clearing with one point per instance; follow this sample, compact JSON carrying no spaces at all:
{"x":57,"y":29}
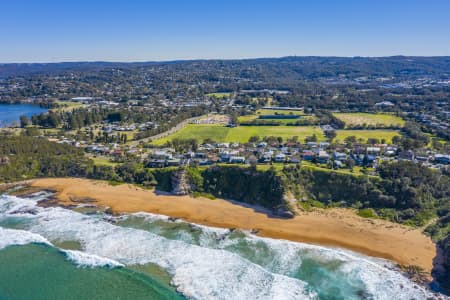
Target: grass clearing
{"x":379,"y":134}
{"x":102,"y":161}
{"x":367,"y":213}
{"x":359,"y":119}
{"x":357,"y":170}
{"x":241,"y":134}
{"x":219,"y":95}
{"x":68,"y":105}
{"x":279,"y":112}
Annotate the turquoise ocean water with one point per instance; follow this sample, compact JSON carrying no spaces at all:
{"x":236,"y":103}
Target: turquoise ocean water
{"x":56,"y":253}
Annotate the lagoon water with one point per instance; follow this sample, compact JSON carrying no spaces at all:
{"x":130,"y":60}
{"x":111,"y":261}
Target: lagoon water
{"x":10,"y":113}
{"x":83,"y":253}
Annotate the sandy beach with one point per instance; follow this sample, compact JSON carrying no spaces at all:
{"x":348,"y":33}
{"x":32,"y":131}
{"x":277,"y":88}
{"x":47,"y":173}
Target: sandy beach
{"x":332,"y":227}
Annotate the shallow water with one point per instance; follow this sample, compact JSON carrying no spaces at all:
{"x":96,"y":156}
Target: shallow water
{"x":42,"y":272}
{"x":198,"y":261}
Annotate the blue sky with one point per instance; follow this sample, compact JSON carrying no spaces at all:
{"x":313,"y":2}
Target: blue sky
{"x":51,"y":31}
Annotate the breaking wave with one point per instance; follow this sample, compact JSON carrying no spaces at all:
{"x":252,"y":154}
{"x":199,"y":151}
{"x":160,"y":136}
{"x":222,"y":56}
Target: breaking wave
{"x":212,"y":263}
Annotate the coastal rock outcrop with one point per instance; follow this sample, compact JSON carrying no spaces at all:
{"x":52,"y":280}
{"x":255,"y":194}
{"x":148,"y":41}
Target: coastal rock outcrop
{"x":180,"y":183}
{"x":284,"y":213}
{"x":445,"y":279}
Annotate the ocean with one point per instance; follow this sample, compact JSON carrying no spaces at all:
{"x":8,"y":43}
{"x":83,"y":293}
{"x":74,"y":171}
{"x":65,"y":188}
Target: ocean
{"x":10,"y":113}
{"x":83,"y":253}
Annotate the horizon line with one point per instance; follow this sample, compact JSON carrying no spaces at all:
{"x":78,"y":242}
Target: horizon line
{"x":214,"y":59}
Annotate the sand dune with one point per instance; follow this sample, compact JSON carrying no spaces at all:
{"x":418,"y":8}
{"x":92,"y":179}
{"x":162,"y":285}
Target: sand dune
{"x":331,"y":227}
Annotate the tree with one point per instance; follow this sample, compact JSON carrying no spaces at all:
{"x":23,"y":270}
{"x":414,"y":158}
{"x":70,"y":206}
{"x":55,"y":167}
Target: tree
{"x":254,"y":139}
{"x":209,"y":141}
{"x":373,"y":141}
{"x":116,"y":116}
{"x":294,"y":139}
{"x":74,"y":123}
{"x":312,"y":138}
{"x":396,"y":140}
{"x":350,"y":163}
{"x":350,"y":139}
{"x":24,"y":121}
{"x":234,"y":119}
{"x":253,"y":161}
{"x":331,"y":135}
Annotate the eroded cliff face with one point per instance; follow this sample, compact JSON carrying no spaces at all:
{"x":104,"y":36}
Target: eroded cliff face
{"x":445,"y":279}
{"x":180,"y":183}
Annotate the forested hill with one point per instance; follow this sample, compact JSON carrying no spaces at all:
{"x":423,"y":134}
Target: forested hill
{"x":24,"y":157}
{"x":298,"y":67}
{"x":21,"y":69}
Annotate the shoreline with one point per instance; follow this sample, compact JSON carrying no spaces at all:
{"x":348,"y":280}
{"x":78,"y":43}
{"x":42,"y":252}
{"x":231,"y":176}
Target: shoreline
{"x":340,"y":228}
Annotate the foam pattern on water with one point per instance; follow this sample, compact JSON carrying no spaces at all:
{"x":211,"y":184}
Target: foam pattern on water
{"x":362,"y":276}
{"x":198,"y":273}
{"x":210,"y":263}
{"x":11,"y":237}
{"x":90,"y":260}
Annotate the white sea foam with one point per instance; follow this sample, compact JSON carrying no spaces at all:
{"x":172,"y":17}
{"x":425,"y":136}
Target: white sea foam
{"x":204,"y":273}
{"x":199,"y":273}
{"x":15,"y":205}
{"x":10,"y":237}
{"x":148,"y":216}
{"x":380,"y":281}
{"x":285,"y":257}
{"x":39,"y":196}
{"x":90,"y":260}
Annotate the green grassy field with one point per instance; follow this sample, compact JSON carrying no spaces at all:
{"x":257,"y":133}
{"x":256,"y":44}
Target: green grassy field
{"x":102,"y":161}
{"x":366,"y":134}
{"x":357,"y":119}
{"x":262,"y":112}
{"x":279,"y":112}
{"x":241,"y":134}
{"x":69,"y":105}
{"x":219,"y":95}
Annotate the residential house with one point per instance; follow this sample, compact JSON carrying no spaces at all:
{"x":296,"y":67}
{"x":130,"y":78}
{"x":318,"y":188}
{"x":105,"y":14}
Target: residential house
{"x":280,"y":158}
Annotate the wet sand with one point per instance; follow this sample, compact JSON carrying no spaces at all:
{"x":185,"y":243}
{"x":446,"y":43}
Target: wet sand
{"x":331,"y":227}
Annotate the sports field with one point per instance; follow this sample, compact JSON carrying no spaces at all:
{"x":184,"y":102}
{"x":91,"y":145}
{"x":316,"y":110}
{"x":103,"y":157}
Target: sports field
{"x":358,"y":119}
{"x":241,"y":134}
{"x":379,"y":134}
{"x":265,"y":112}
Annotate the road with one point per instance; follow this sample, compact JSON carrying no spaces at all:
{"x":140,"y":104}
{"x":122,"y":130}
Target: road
{"x":166,"y":133}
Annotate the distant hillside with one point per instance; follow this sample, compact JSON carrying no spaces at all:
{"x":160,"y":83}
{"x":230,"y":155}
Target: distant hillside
{"x":310,"y":67}
{"x":20,"y":69}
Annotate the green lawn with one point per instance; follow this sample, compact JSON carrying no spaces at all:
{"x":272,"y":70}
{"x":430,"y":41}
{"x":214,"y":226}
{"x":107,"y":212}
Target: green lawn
{"x":357,"y":170}
{"x":247,"y":118}
{"x":219,"y":95}
{"x":262,"y":112}
{"x":241,"y":134}
{"x":69,"y":105}
{"x":279,"y":112}
{"x":357,"y":119}
{"x":366,"y":134}
{"x":102,"y":161}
